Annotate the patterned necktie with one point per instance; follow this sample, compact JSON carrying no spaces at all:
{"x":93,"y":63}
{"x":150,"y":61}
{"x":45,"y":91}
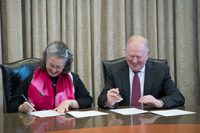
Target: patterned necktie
{"x":135,"y":90}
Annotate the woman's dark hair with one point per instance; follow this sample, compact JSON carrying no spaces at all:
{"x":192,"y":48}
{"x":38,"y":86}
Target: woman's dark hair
{"x":60,"y":50}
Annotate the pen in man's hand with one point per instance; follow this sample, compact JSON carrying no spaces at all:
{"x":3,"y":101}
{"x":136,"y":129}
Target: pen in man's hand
{"x":118,"y":93}
{"x":27,"y":101}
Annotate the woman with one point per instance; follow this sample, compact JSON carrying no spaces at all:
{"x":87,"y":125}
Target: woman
{"x":52,"y":85}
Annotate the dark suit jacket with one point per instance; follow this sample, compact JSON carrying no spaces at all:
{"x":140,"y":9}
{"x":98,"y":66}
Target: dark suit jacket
{"x":157,"y":83}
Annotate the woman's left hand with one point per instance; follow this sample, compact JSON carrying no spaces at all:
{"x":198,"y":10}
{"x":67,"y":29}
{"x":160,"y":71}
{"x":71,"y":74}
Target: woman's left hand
{"x":64,"y":106}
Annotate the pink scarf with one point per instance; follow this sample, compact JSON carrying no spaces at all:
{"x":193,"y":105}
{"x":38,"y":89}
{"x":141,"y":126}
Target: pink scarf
{"x":41,"y":92}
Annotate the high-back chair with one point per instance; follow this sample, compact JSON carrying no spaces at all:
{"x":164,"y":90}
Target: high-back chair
{"x":106,"y":63}
{"x":13,"y":74}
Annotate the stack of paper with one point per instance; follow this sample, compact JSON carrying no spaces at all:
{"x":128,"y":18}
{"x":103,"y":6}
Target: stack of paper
{"x":46,"y":113}
{"x":169,"y":112}
{"x":124,"y":111}
{"x":77,"y":114}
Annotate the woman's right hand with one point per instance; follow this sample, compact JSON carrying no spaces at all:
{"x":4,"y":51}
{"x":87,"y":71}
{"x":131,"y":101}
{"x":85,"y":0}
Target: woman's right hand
{"x":26,"y":107}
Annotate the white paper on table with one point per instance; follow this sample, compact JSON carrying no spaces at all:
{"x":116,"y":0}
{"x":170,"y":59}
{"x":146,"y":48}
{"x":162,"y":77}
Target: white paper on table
{"x":81,"y":114}
{"x":129,"y":111}
{"x":46,"y":113}
{"x":172,"y":112}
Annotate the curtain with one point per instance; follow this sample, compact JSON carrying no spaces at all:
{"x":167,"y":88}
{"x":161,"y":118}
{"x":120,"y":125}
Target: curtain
{"x":97,"y":30}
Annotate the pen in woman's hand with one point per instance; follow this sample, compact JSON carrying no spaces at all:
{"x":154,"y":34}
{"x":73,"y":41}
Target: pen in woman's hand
{"x":33,"y":109}
{"x":24,"y":98}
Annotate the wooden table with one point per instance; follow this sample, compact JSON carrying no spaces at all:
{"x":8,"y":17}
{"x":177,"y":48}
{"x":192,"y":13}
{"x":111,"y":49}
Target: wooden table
{"x":158,"y":128}
{"x":116,"y":123}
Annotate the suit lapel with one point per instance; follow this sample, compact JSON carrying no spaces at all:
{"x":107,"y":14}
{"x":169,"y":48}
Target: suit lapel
{"x":125,"y":80}
{"x":148,"y":78}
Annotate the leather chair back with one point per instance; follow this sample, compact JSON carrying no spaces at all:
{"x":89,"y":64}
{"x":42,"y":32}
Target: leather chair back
{"x":13,"y":74}
{"x":106,"y":63}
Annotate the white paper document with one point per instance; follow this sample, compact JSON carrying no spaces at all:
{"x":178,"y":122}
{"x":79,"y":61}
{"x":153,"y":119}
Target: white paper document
{"x":81,"y":114}
{"x":172,"y":112}
{"x":129,"y":111}
{"x":46,"y":113}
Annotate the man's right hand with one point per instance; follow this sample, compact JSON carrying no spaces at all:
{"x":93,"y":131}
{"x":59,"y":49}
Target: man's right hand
{"x":113,"y":97}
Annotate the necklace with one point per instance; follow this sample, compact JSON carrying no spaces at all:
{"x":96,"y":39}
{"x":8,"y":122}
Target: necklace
{"x":54,"y":85}
{"x":53,"y":81}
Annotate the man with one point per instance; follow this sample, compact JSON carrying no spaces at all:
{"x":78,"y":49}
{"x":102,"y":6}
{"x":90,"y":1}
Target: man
{"x":156,"y":88}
